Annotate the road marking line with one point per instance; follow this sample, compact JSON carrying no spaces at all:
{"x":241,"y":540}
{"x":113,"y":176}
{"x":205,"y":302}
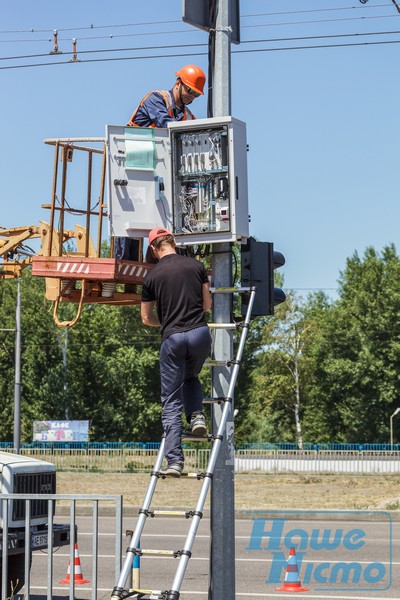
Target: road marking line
{"x":262,"y":560}
{"x":265,"y":595}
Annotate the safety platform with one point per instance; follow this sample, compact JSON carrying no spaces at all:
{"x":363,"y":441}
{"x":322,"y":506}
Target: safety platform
{"x":90,"y":268}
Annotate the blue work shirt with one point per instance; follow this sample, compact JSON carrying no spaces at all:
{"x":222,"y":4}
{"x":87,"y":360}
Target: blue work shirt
{"x":154,"y":111}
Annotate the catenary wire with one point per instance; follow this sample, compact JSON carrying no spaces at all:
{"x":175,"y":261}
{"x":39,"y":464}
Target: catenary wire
{"x":152,"y":33}
{"x":186,"y":54}
{"x":116,"y":26}
{"x":256,"y":41}
{"x":314,"y":10}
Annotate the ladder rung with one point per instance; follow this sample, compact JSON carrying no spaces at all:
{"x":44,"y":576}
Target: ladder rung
{"x":172,"y":513}
{"x":150,"y":552}
{"x":197,"y":476}
{"x":214,"y":400}
{"x":146,"y":594}
{"x":197,"y":438}
{"x":224,"y":325}
{"x":230,"y":290}
{"x":218,"y":363}
{"x":189,"y":475}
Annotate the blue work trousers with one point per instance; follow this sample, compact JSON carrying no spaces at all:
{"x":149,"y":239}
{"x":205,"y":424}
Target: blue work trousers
{"x":181,"y":358}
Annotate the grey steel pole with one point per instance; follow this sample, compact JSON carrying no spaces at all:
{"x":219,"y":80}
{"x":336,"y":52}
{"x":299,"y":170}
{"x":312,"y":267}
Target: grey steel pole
{"x":17,"y":384}
{"x":222,"y":552}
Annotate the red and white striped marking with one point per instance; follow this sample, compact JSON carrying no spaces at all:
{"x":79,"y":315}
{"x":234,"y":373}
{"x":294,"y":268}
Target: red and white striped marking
{"x":67,"y":267}
{"x":131,"y":270}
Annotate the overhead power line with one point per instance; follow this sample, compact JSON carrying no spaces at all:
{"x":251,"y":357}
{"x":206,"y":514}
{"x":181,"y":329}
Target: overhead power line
{"x":315,"y":10}
{"x":168,"y":46}
{"x":165,"y":22}
{"x":341,"y":19}
{"x":135,"y":49}
{"x":396,"y":5}
{"x":103,"y":37}
{"x":186,"y":54}
{"x":33,"y":30}
{"x":189,"y":30}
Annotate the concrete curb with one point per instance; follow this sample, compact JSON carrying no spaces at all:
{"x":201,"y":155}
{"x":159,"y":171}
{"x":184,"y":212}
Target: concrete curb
{"x":85,"y":510}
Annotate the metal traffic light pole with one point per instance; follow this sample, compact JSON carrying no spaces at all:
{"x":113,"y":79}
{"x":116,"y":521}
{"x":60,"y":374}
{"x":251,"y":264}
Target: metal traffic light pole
{"x":222,"y":551}
{"x":17,"y":382}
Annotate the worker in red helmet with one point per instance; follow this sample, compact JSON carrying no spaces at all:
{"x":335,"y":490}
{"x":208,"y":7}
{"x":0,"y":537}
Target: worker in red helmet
{"x":159,"y":107}
{"x":175,"y":295}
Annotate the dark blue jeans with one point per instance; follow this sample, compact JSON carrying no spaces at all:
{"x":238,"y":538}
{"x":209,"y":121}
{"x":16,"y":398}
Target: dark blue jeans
{"x":181,"y":358}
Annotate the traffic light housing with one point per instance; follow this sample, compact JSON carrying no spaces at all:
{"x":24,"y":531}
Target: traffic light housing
{"x":258,"y":263}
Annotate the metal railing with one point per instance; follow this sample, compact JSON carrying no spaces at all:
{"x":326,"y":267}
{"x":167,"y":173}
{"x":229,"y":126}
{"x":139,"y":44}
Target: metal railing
{"x":126,"y":460}
{"x":72,"y":503}
{"x":70,"y":445}
{"x":319,"y":462}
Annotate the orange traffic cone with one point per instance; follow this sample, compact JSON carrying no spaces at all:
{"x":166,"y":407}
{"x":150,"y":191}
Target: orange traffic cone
{"x":78,"y":578}
{"x":292,"y":582}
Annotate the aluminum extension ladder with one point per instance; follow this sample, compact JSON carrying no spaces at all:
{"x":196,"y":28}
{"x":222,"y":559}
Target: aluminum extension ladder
{"x":119,"y":592}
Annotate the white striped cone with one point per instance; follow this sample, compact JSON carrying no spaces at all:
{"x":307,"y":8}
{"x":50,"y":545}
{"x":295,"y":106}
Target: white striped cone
{"x":78,"y":577}
{"x":292,"y":582}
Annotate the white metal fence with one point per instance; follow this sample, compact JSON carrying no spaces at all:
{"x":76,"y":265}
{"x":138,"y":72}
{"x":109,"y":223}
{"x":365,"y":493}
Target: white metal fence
{"x":49,"y":565}
{"x":125,"y":460}
{"x":324,"y":461}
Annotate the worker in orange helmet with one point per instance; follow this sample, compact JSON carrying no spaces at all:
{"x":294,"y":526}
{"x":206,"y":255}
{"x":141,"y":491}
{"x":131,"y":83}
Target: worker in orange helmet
{"x":159,"y":107}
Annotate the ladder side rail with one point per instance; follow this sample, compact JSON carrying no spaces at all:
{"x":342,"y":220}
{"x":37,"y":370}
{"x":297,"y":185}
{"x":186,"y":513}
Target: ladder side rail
{"x":235,"y":371}
{"x":186,"y":553}
{"x":135,"y":539}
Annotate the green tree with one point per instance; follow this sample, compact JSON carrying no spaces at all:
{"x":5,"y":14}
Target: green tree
{"x":357,"y":358}
{"x":111,"y":375}
{"x":281,"y":378}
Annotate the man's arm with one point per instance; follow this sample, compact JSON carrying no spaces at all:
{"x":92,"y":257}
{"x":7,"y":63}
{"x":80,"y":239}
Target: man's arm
{"x":207,"y":300}
{"x":149,"y":314}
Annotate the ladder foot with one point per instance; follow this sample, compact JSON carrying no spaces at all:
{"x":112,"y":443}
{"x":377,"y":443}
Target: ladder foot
{"x":119,"y":593}
{"x":172,"y":595}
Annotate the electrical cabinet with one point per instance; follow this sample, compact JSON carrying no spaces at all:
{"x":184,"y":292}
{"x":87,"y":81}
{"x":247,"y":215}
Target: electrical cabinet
{"x":190,"y":178}
{"x":209,"y":180}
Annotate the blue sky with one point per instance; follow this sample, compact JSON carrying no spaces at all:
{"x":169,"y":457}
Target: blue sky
{"x":322,"y":124}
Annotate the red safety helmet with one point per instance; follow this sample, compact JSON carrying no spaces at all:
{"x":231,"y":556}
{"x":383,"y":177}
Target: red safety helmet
{"x":158,"y":232}
{"x":193,"y":77}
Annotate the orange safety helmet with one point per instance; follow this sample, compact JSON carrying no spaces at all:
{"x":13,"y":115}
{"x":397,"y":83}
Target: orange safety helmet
{"x":193,"y":77}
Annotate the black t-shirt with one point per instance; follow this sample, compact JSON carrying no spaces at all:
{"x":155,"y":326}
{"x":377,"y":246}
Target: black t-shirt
{"x":176,"y":284}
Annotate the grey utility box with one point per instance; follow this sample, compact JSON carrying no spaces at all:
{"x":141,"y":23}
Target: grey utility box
{"x":138,"y":173}
{"x":209,"y":179}
{"x":190,"y":178}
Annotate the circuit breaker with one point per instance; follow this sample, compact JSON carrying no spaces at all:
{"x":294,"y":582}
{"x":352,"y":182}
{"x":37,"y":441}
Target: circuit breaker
{"x":209,"y":180}
{"x":138,"y":172}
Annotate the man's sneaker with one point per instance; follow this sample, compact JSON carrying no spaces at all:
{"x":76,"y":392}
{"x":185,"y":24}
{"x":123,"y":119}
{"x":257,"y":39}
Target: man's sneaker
{"x":198,"y":424}
{"x":174,"y":470}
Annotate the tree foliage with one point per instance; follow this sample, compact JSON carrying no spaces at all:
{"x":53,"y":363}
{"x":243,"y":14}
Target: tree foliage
{"x":329,"y":371}
{"x":109,"y":374}
{"x":357,"y":359}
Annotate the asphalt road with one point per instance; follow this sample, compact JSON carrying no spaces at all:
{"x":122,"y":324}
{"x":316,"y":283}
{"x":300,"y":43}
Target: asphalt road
{"x":325,"y":549}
